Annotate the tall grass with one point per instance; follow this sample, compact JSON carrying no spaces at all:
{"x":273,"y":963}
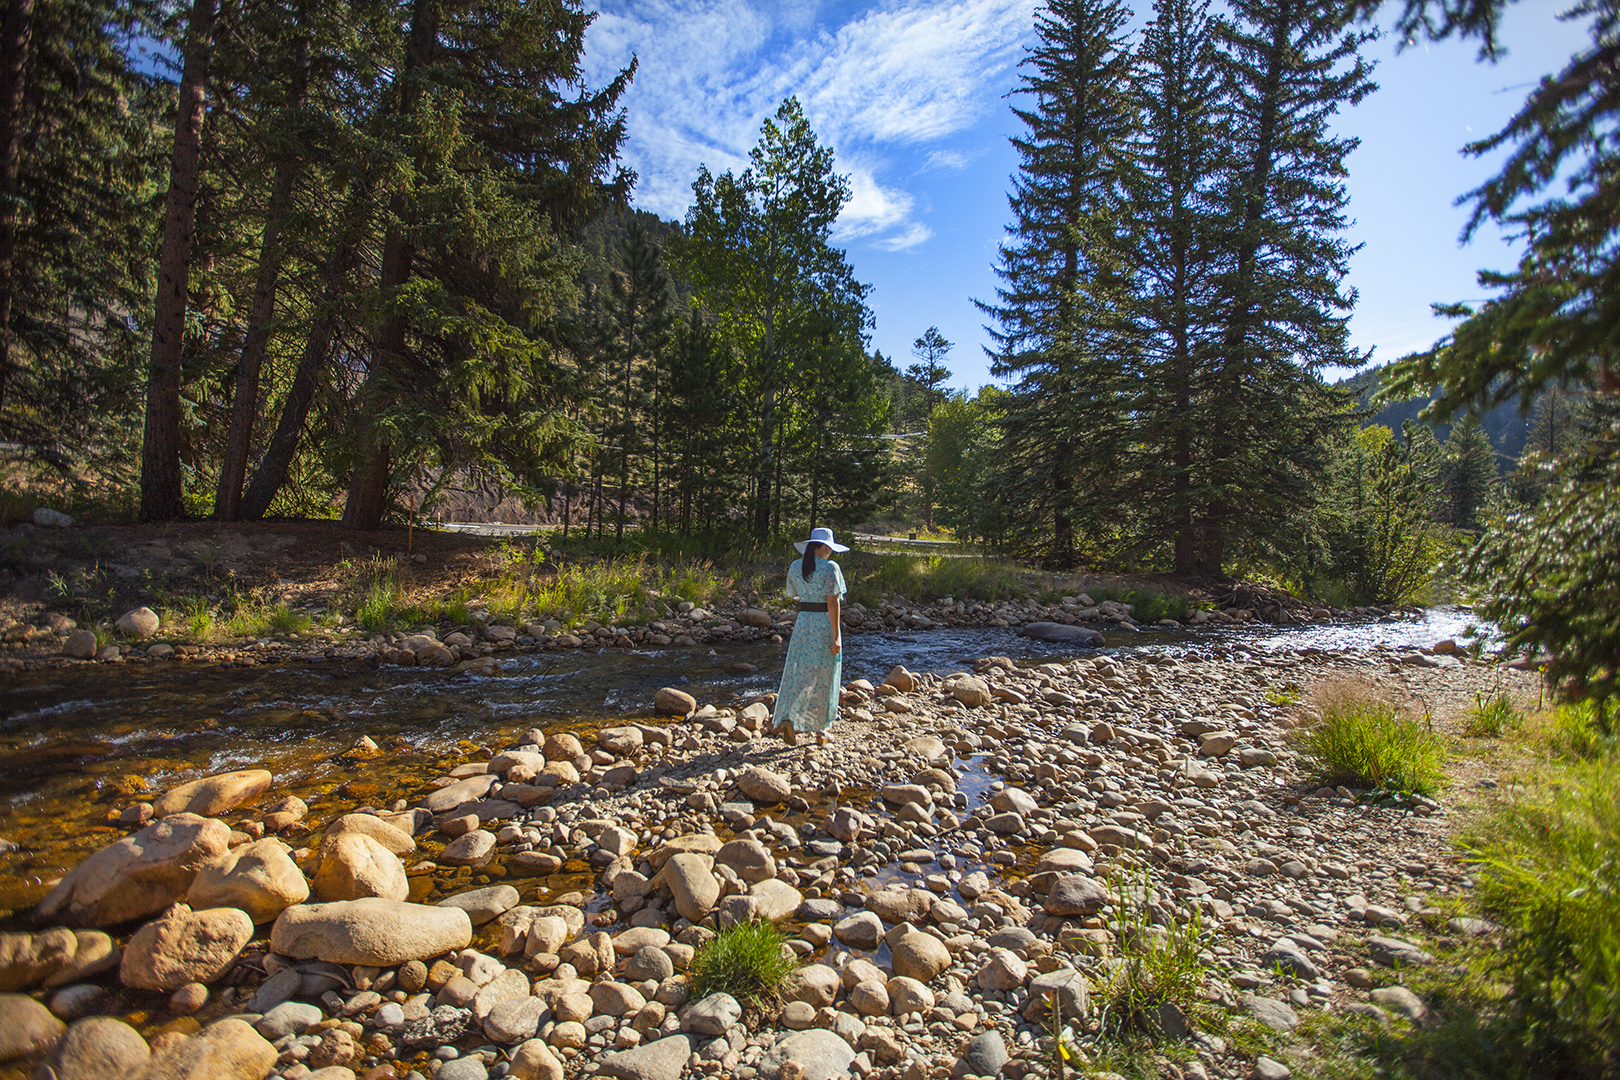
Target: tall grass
{"x":1368,"y":741}
{"x":873,"y":579}
{"x":1547,"y":868}
{"x":747,"y":961}
{"x":1492,"y":716}
{"x":1577,"y":731}
{"x":1159,"y":962}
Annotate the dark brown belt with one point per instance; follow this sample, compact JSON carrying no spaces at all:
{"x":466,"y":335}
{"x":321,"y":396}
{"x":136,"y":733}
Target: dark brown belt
{"x":812,"y":607}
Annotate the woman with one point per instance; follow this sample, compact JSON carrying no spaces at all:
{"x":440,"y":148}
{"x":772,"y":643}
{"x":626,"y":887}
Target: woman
{"x":808,"y":699}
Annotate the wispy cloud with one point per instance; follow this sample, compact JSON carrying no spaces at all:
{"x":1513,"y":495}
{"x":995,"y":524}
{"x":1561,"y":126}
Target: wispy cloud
{"x":947,"y":159}
{"x":908,"y":74}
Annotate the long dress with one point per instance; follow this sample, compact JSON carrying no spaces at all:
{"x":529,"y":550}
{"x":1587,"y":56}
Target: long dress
{"x":808,"y":698}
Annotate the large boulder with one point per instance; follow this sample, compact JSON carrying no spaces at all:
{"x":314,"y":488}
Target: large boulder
{"x":1083,"y":636}
{"x":920,"y":956}
{"x":355,"y":866}
{"x":142,"y":622}
{"x":677,"y":702}
{"x":390,"y":836}
{"x":139,"y":875}
{"x":260,"y":878}
{"x":661,"y":1059}
{"x":214,"y":795}
{"x":96,"y":1048}
{"x":762,"y":785}
{"x":692,"y":883}
{"x":26,"y":1026}
{"x":373,"y":931}
{"x":225,"y":1050}
{"x":184,"y":946}
{"x":29,"y":959}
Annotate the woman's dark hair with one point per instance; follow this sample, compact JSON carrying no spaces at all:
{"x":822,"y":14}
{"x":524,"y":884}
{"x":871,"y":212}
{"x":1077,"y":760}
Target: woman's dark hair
{"x":807,"y":565}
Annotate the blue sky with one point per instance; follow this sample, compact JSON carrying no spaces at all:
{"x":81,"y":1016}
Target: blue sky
{"x":911,"y":94}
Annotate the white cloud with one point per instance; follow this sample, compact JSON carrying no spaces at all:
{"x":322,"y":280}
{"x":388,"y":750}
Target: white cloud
{"x":912,"y":72}
{"x":948,"y":159}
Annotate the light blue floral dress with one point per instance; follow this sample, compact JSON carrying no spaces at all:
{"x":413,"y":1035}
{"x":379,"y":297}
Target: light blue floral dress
{"x":812,"y":678}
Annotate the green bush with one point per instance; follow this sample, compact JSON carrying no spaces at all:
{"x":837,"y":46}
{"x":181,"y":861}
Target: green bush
{"x":873,"y":578}
{"x":1547,"y":867}
{"x":1365,"y":741}
{"x":749,"y":961}
{"x":1579,"y":731}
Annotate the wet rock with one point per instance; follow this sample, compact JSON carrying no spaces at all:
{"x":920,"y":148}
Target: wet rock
{"x":97,"y":1048}
{"x":26,"y":1026}
{"x":919,"y":956}
{"x":810,"y":1055}
{"x":1049,"y":631}
{"x":692,"y":884}
{"x":214,"y":795}
{"x":260,"y":878}
{"x":354,"y":866}
{"x":137,"y":876}
{"x":390,"y":836}
{"x":661,"y":1059}
{"x":374,"y":931}
{"x":763,"y":785}
{"x":141,"y":622}
{"x":184,"y":946}
{"x":472,"y":849}
{"x":484,"y":905}
{"x":29,"y":959}
{"x":677,"y":702}
{"x":226,"y":1050}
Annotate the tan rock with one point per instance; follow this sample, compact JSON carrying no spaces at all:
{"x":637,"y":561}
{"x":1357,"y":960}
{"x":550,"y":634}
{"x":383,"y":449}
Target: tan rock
{"x":214,"y":795}
{"x":677,"y":702}
{"x":26,"y":1026}
{"x":533,"y":1060}
{"x":697,"y":843}
{"x":389,"y":836}
{"x":354,"y":866}
{"x":373,"y":931}
{"x":184,"y":946}
{"x":98,"y":1048}
{"x":96,"y":954}
{"x":29,"y":959}
{"x":692,"y":883}
{"x":260,"y":878}
{"x":137,"y":876}
{"x":919,"y":956}
{"x":225,"y":1050}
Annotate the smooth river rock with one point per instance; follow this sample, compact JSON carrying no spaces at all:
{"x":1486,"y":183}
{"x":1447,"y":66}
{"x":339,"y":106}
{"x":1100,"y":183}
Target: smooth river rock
{"x":661,"y":1059}
{"x":354,"y":866}
{"x":374,"y":932}
{"x":139,"y":875}
{"x":184,"y":946}
{"x":214,"y":795}
{"x":260,"y":878}
{"x":1051,"y":631}
{"x":98,"y":1048}
{"x":226,"y":1050}
{"x":818,"y":1055}
{"x":394,"y":839}
{"x":692,"y":883}
{"x":26,"y":1026}
{"x":29,"y":959}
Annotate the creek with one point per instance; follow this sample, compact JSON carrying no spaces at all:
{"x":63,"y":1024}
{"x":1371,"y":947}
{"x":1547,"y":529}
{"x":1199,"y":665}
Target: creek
{"x":79,"y":743}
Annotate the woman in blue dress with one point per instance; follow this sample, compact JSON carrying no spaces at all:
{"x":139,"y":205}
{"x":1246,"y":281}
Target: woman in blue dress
{"x":808,"y":699}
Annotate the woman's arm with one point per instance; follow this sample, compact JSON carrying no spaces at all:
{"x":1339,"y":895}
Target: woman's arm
{"x":835,"y":613}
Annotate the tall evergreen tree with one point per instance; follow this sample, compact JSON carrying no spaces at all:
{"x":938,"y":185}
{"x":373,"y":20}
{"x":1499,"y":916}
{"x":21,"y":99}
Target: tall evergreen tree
{"x":1057,"y":309}
{"x":1288,"y":67}
{"x":1468,"y":473}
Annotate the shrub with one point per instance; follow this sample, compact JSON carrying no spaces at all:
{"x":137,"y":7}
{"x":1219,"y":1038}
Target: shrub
{"x":749,"y":961}
{"x":1366,"y":741}
{"x":1547,"y":866}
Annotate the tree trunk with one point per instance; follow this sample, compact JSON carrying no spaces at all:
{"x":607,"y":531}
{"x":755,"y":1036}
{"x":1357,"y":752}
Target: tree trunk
{"x":245,"y":400}
{"x":161,"y":496}
{"x":15,"y":30}
{"x":271,"y":474}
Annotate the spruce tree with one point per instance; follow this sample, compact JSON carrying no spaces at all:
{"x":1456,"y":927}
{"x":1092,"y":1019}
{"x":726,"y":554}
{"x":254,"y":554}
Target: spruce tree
{"x":1058,"y":308}
{"x":1288,"y":66}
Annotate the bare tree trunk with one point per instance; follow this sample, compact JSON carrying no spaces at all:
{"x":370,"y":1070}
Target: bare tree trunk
{"x":15,"y":31}
{"x":272,"y":471}
{"x":245,"y":400}
{"x":160,"y":450}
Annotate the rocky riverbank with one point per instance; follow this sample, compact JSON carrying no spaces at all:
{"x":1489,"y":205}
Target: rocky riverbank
{"x":960,"y":853}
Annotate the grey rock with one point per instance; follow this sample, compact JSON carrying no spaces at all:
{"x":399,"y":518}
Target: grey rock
{"x":982,"y":1055}
{"x":467,"y":1068}
{"x":820,"y":1055}
{"x":484,"y":905}
{"x":1393,"y":952}
{"x":661,"y":1059}
{"x":1277,"y":1015}
{"x":515,"y":1020}
{"x":862,"y":930}
{"x":1402,"y":1001}
{"x":288,"y":1018}
{"x":1269,"y":1069}
{"x":1083,"y":636}
{"x":714,"y":1015}
{"x":1286,"y":954}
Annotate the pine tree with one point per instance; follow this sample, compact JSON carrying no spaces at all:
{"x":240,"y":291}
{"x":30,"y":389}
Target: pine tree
{"x":1174,"y":230}
{"x":1288,"y":67}
{"x":929,"y":376}
{"x":1058,"y":307}
{"x":1468,"y":474}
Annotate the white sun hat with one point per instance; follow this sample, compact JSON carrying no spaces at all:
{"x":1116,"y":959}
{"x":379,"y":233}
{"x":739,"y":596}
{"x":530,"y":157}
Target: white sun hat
{"x":820,"y":536}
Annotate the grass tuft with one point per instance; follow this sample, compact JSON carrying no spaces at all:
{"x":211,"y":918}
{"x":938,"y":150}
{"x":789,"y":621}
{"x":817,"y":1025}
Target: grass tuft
{"x":1159,"y":965}
{"x":1365,"y":740}
{"x":1492,"y":716}
{"x":1578,"y":731}
{"x":749,"y":961}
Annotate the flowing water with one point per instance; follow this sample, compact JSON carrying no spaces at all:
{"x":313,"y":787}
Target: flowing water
{"x":77,"y":744}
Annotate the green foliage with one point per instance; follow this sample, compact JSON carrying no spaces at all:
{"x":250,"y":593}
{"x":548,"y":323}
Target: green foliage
{"x":1365,"y":741}
{"x":1578,"y":731}
{"x":749,"y":961}
{"x":1492,"y":715}
{"x":1544,"y":868}
{"x":873,"y":579}
{"x":1160,"y":961}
